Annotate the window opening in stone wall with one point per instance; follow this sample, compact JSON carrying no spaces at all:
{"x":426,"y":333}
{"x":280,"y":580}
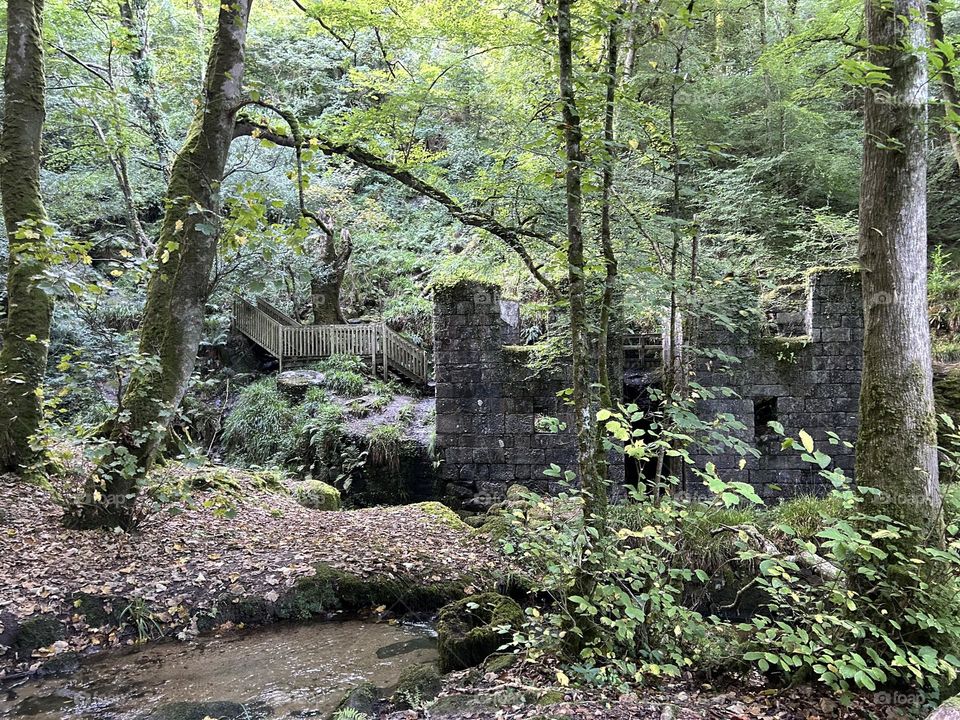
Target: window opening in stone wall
{"x":764,"y":413}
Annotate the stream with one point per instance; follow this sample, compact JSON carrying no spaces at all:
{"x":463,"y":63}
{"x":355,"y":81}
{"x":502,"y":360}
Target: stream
{"x":290,"y":671}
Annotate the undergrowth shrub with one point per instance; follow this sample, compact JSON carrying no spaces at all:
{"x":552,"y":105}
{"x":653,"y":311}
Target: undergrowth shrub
{"x":260,"y":426}
{"x":343,"y":374}
{"x":319,"y":436}
{"x":385,"y":445}
{"x":853,"y":600}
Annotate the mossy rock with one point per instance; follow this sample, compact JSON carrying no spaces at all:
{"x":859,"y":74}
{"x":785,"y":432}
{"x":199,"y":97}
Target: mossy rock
{"x":551,"y":697}
{"x":245,"y":610}
{"x":97,"y":610}
{"x":468,"y":630}
{"x":36,"y":632}
{"x":364,"y":698}
{"x":318,"y":495}
{"x":459,"y":706}
{"x":443,"y":514}
{"x":331,"y":590}
{"x":418,"y":684}
{"x":949,"y":710}
{"x":222,"y":710}
{"x":500,"y":662}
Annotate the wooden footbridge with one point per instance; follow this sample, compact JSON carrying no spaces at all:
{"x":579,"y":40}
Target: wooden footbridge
{"x":291,"y":342}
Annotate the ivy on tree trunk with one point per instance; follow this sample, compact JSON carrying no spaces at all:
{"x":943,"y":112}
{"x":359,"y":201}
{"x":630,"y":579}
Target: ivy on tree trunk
{"x":178,"y":288}
{"x":23,"y":357}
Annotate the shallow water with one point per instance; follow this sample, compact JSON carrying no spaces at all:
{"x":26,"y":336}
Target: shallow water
{"x":296,"y":671}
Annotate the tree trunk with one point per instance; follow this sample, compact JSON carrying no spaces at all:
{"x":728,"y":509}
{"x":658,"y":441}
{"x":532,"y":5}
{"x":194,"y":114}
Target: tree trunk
{"x":948,"y":81}
{"x":897,"y":444}
{"x":118,"y":162}
{"x":23,"y":358}
{"x":610,"y":343}
{"x":325,"y":283}
{"x":177,"y":290}
{"x":133,"y":16}
{"x":594,"y":489}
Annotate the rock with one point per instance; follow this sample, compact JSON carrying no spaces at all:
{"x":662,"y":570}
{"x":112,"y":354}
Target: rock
{"x":468,"y":630}
{"x":500,"y":662}
{"x":669,"y":712}
{"x":364,"y":698}
{"x":317,"y":495}
{"x":63,"y":664}
{"x":443,"y":514}
{"x":9,"y":630}
{"x":295,"y":383}
{"x":94,"y":609}
{"x":551,"y":697}
{"x":950,"y":710}
{"x":331,"y":590}
{"x":35,"y":632}
{"x":417,"y":685}
{"x":458,"y":706}
{"x":222,"y":710}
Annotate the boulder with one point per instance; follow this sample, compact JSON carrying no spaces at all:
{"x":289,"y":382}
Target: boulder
{"x":295,"y":383}
{"x":364,"y":699}
{"x":950,"y":710}
{"x":331,"y":590}
{"x":317,"y":495}
{"x":36,"y":632}
{"x":417,"y":685}
{"x":442,"y":514}
{"x":469,"y":630}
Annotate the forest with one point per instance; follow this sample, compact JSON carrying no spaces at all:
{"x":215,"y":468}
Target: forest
{"x":480,"y":359}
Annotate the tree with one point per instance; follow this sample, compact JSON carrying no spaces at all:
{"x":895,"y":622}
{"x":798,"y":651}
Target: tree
{"x":897,"y":444}
{"x":23,"y":358}
{"x":178,"y":287}
{"x":945,"y":54}
{"x":327,"y":271}
{"x":591,"y":480}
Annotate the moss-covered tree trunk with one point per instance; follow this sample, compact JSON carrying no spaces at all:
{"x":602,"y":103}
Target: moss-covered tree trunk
{"x":133,"y":15}
{"x":23,"y":357}
{"x":326,"y":274}
{"x":178,"y":288}
{"x":594,"y":488}
{"x":897,"y":444}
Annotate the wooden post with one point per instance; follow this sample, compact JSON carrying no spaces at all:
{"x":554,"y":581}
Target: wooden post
{"x":386,"y":353}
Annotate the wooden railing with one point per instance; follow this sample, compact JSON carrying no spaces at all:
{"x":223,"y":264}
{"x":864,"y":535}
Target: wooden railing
{"x":288,"y":341}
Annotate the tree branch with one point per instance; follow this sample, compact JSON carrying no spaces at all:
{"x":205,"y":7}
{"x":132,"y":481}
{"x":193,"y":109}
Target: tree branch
{"x":511,"y":236}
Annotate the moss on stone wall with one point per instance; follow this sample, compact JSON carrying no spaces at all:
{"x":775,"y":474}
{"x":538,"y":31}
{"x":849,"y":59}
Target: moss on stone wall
{"x":783,"y":349}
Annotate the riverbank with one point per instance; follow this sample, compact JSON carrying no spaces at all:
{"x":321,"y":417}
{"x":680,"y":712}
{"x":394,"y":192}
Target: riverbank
{"x":216,"y":561}
{"x":531,"y":692}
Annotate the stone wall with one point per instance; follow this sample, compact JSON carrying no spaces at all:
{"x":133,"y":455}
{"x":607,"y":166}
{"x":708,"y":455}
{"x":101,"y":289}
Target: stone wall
{"x":808,"y":382}
{"x":490,"y":406}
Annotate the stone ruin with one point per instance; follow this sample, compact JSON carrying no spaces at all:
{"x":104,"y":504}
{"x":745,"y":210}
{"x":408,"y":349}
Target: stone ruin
{"x":801,"y":370}
{"x":493,"y":424}
{"x":492,"y":410}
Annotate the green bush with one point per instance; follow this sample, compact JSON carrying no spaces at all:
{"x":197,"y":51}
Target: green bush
{"x":320,"y":435}
{"x":343,"y":375}
{"x":850,"y":599}
{"x":261,"y":426}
